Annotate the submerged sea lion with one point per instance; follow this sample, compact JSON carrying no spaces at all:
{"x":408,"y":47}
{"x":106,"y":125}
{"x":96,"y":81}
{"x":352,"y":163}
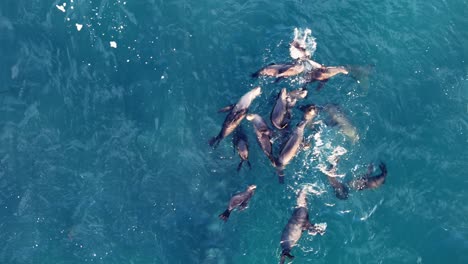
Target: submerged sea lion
{"x":281,"y":113}
{"x":294,"y":142}
{"x":370,"y":182}
{"x":239,"y":200}
{"x":323,"y":74}
{"x":298,"y":223}
{"x":338,"y":118}
{"x":241,"y":144}
{"x":264,"y":134}
{"x":237,"y":112}
{"x":280,"y":70}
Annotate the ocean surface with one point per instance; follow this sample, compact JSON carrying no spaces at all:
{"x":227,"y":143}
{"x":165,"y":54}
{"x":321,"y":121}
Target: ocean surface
{"x":106,"y":110}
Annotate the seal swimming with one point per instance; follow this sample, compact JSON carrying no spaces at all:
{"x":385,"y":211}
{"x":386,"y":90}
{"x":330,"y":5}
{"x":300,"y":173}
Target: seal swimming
{"x":338,"y":118}
{"x":239,"y":200}
{"x":264,"y":134}
{"x":240,"y":142}
{"x":370,"y":182}
{"x":323,"y":74}
{"x":294,"y":142}
{"x":298,"y":223}
{"x":280,"y":70}
{"x":281,"y":113}
{"x":341,"y":190}
{"x":237,"y":112}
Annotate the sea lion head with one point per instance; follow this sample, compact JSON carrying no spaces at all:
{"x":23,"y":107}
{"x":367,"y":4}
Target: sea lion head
{"x":256,"y":91}
{"x":250,"y":117}
{"x":310,"y":112}
{"x":251,"y":188}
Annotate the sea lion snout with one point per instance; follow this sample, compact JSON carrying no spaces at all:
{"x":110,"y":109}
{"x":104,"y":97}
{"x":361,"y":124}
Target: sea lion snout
{"x":250,"y":117}
{"x":257,"y":91}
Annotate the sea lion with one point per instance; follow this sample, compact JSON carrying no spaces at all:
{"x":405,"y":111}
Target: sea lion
{"x":280,"y":70}
{"x":237,"y":112}
{"x":291,"y":148}
{"x":298,"y":223}
{"x":239,"y":200}
{"x":341,"y":190}
{"x":297,"y":47}
{"x":323,"y":74}
{"x":370,"y":182}
{"x":264,"y":134}
{"x":241,"y":144}
{"x":338,"y":118}
{"x":281,"y":113}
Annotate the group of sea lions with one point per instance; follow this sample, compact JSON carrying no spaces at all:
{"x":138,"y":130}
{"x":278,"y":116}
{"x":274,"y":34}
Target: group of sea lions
{"x":294,"y":141}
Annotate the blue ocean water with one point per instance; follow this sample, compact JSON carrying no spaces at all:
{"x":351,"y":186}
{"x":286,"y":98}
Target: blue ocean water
{"x":104,"y":155}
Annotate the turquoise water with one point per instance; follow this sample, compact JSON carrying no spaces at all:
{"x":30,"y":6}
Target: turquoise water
{"x":104,"y":155}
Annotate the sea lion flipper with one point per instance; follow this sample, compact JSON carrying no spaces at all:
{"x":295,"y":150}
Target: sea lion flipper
{"x":250,"y":165}
{"x":305,"y":145}
{"x":321,"y":84}
{"x":225,"y":215}
{"x":278,"y":79}
{"x":240,"y":165}
{"x":383,"y":168}
{"x":316,"y":229}
{"x":214,"y":141}
{"x":243,"y":205}
{"x":226,"y":109}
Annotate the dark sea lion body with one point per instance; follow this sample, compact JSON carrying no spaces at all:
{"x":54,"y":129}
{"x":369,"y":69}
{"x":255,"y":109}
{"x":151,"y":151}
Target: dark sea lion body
{"x":264,"y":134}
{"x":297,"y":224}
{"x":293,"y":144}
{"x":280,"y":70}
{"x":242,"y":146}
{"x":370,"y":182}
{"x":341,"y":190}
{"x":281,"y":114}
{"x":239,"y":200}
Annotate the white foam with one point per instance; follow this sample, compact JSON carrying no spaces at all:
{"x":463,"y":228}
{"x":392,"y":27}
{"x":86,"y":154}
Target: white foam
{"x":61,"y":7}
{"x":78,"y":26}
{"x":113,"y":44}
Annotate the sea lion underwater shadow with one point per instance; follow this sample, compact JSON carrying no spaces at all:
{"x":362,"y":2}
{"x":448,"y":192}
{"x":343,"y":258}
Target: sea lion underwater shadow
{"x":241,"y":144}
{"x":237,"y":112}
{"x":239,"y":200}
{"x":297,"y":224}
{"x":338,"y":118}
{"x":294,"y":142}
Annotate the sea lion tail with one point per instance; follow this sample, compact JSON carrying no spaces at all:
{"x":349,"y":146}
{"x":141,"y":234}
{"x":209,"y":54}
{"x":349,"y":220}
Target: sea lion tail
{"x":285,"y":254}
{"x":225,"y":215}
{"x":214,"y":141}
{"x":360,"y":74}
{"x":383,"y":168}
{"x":280,"y":172}
{"x":240,"y":165}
